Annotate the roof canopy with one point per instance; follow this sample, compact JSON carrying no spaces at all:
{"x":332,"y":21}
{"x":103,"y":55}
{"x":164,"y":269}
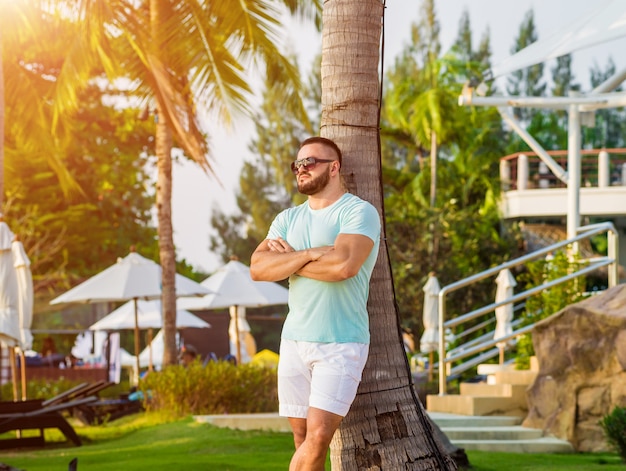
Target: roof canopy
{"x":606,"y":21}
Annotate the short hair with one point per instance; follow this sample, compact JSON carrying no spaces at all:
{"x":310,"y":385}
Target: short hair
{"x":326,"y":142}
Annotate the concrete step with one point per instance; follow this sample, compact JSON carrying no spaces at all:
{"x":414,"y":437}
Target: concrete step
{"x":475,"y":405}
{"x":517,"y":391}
{"x":270,"y":421}
{"x":497,"y":434}
{"x":516,"y":432}
{"x":512,"y":377}
{"x":491,"y":368}
{"x":486,"y":433}
{"x":445,"y":420}
{"x":538,"y":445}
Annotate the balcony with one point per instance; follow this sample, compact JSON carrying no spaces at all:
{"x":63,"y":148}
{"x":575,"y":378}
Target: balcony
{"x":530,"y":190}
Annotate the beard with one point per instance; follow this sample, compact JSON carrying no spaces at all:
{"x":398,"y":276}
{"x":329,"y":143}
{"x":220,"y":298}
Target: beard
{"x":315,"y":185}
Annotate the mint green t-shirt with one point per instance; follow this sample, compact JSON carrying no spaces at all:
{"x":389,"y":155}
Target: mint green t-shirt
{"x":322,"y":311}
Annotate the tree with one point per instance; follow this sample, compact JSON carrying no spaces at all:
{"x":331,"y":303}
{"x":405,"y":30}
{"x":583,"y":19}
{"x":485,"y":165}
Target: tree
{"x":181,"y":56}
{"x":610,"y":126}
{"x":266,"y":183}
{"x":22,"y":23}
{"x":105,"y":159}
{"x":528,"y":81}
{"x":387,"y":427}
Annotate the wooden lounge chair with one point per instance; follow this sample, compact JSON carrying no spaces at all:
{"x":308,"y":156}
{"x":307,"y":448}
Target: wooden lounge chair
{"x":32,"y":415}
{"x":77,"y":392}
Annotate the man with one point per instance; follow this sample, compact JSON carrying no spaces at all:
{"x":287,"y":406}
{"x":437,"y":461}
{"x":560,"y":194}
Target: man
{"x":188,"y":354}
{"x":327,"y":247}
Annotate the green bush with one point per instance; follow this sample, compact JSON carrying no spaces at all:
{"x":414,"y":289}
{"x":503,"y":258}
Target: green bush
{"x":614,"y":426}
{"x":549,"y":301}
{"x":217,"y":388}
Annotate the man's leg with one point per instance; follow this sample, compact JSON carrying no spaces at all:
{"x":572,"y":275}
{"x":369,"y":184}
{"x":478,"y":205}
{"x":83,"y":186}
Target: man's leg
{"x":319,"y":428}
{"x":298,"y":426}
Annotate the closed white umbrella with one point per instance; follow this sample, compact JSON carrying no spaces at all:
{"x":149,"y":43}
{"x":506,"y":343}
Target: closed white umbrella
{"x":9,"y":294}
{"x":234,"y":288}
{"x":132,"y":278}
{"x":154,"y":351}
{"x":25,"y":297}
{"x":21,"y":263}
{"x":9,"y":291}
{"x":505,"y":282}
{"x":429,"y":342}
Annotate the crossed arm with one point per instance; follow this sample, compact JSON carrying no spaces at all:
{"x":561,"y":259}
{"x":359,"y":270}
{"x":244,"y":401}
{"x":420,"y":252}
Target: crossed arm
{"x":275,"y":259}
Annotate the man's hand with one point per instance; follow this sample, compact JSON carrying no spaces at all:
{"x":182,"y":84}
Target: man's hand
{"x":279,"y":245}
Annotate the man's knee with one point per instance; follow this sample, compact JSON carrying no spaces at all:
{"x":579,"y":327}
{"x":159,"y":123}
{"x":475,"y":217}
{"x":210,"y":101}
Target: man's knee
{"x":298,"y":427}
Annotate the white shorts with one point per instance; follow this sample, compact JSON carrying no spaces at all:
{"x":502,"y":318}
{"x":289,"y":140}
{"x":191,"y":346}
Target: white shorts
{"x":321,"y":375}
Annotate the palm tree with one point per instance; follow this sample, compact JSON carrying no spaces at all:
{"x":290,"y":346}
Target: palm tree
{"x":185,"y":57}
{"x":387,"y":427}
{"x":25,"y":91}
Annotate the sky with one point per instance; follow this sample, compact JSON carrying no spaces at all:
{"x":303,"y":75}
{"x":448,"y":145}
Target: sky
{"x":195,"y":194}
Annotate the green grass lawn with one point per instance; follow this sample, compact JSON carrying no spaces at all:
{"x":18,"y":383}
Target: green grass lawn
{"x":149,"y":443}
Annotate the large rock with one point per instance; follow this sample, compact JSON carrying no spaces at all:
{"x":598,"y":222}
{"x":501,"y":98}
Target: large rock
{"x":581,"y":353}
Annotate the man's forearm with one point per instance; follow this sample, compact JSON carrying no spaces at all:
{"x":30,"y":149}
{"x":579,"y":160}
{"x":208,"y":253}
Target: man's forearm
{"x":276,"y":266}
{"x":330,"y":267}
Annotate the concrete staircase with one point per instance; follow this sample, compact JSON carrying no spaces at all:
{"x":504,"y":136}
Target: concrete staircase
{"x":487,"y":415}
{"x":499,"y":434}
{"x":504,"y":393}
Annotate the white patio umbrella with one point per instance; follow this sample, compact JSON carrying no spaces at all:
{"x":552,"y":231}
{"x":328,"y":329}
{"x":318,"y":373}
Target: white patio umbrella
{"x":9,"y":299}
{"x":234,"y":287}
{"x":149,"y":316}
{"x":132,"y":278}
{"x":25,"y":301}
{"x":505,"y":282}
{"x":155,"y":349}
{"x":429,"y":342}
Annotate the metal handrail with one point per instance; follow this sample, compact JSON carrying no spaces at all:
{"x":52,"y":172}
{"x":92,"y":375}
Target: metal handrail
{"x":585,"y":232}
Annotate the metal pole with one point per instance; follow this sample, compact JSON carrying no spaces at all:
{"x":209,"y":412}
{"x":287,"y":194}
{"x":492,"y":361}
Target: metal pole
{"x":603,"y":169}
{"x":573,"y":172}
{"x":442,"y":344}
{"x":136,"y":340}
{"x":613,"y":253}
{"x":533,"y":144}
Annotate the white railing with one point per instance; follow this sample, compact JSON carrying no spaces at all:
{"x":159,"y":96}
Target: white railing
{"x":600,"y":168}
{"x":447,"y":358}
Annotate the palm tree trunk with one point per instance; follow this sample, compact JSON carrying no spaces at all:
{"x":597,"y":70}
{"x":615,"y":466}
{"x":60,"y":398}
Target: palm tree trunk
{"x":387,"y":427}
{"x":167,"y":252}
{"x":433,"y":249}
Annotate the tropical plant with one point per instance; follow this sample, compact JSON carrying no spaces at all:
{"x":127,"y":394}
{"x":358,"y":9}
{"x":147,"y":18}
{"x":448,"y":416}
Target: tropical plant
{"x":549,"y":301}
{"x":106,"y":159}
{"x":614,"y":427}
{"x":182,"y":58}
{"x":26,"y":87}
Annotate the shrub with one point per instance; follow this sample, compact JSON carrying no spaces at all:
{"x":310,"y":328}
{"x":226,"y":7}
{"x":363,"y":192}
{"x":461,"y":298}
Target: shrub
{"x":614,"y":426}
{"x":217,"y":388}
{"x":549,"y":301}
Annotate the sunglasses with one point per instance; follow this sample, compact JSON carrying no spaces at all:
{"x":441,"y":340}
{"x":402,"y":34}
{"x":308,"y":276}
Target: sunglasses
{"x":308,"y":163}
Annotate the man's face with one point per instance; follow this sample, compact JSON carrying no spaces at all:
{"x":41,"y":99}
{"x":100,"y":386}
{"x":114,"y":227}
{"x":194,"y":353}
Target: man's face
{"x":314,"y":180}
